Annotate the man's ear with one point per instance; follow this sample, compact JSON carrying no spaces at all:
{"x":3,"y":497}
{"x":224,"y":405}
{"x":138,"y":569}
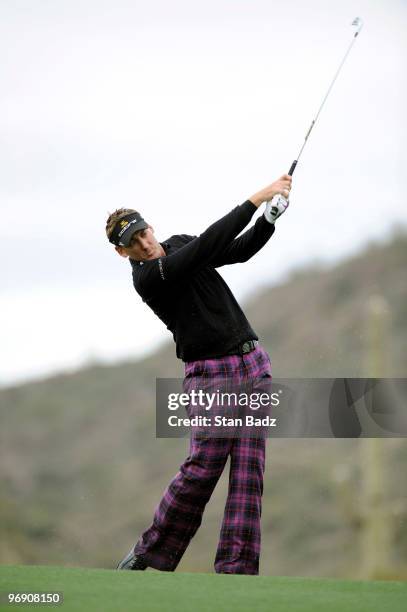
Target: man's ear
{"x":121,"y":251}
{"x":151,"y":228}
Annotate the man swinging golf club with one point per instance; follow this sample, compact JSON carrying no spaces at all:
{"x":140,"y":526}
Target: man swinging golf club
{"x":178,"y":280}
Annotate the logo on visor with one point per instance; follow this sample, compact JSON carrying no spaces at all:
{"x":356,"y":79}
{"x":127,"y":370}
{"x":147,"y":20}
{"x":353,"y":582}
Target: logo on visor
{"x":123,"y":223}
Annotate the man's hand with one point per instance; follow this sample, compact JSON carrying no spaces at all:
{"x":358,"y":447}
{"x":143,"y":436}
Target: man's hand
{"x":275,"y":208}
{"x":281,"y":186}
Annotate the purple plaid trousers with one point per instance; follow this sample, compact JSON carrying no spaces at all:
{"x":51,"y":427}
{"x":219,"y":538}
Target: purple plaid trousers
{"x":179,"y":513}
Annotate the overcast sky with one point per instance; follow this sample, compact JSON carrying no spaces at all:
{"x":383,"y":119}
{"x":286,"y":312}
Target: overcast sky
{"x":182,"y":110}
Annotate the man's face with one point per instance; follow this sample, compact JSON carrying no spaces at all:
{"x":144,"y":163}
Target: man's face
{"x":143,"y":246}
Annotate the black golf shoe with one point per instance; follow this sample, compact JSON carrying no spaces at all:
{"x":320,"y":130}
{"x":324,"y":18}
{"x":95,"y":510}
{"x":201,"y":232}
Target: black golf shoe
{"x":132,"y":562}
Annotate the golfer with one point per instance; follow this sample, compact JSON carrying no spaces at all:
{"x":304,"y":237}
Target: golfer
{"x":178,"y":280}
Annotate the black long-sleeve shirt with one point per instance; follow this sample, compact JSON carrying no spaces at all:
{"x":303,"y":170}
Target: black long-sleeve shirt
{"x":190,"y":296}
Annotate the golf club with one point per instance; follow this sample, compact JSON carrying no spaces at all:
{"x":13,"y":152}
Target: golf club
{"x":279,"y":203}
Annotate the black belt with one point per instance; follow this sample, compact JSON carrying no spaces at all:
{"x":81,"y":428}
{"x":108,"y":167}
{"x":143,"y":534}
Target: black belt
{"x":242,"y":349}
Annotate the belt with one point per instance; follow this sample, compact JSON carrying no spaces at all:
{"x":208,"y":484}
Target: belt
{"x":242,"y":349}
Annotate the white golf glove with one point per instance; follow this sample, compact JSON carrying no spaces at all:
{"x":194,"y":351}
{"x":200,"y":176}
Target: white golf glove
{"x":275,"y":208}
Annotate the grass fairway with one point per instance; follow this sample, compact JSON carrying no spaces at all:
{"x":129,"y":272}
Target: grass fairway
{"x":94,"y":590}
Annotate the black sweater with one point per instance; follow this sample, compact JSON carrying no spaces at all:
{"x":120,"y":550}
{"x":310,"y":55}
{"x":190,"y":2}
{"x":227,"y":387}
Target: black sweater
{"x":189,"y":295}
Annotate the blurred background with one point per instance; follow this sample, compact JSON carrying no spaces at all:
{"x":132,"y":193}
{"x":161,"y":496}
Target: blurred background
{"x":183,"y":111}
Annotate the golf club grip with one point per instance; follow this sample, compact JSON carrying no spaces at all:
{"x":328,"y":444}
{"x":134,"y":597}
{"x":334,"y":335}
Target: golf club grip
{"x":291,"y":170}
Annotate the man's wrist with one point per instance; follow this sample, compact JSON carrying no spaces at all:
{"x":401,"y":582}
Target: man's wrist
{"x":257,"y":199}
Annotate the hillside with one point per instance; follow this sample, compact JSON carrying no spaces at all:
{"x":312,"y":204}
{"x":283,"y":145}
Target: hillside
{"x":81,"y":469}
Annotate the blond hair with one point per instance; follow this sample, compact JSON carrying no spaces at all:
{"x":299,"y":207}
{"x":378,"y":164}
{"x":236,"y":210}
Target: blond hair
{"x":114,"y":217}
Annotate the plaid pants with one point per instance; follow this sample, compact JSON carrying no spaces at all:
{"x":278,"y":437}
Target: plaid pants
{"x":179,"y":513}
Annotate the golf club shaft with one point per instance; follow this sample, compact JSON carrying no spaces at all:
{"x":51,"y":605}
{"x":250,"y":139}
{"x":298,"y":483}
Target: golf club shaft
{"x":356,"y":22}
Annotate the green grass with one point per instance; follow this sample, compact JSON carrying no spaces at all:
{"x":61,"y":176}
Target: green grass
{"x":95,"y":590}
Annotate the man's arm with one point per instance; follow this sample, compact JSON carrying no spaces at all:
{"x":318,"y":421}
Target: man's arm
{"x":208,"y":246}
{"x":196,"y":254}
{"x":245,"y":246}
